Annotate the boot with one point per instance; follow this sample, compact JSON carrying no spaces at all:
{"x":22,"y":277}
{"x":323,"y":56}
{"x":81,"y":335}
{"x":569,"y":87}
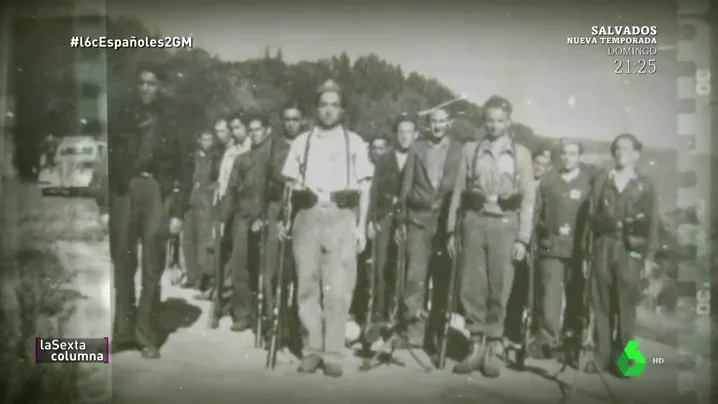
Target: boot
{"x":474,"y":359}
{"x":310,"y":363}
{"x":491,"y":366}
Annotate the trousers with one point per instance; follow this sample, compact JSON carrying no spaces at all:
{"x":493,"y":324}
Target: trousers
{"x":560,"y":280}
{"x":141,"y":216}
{"x":197,"y":243}
{"x":487,"y":271}
{"x":237,"y":268}
{"x":615,"y":291}
{"x":326,"y":265}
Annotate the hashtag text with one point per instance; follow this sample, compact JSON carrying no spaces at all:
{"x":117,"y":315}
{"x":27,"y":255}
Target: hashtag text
{"x":131,"y":42}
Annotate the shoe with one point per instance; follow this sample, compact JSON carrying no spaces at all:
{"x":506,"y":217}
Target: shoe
{"x":491,"y":364}
{"x":241,"y":324}
{"x":310,"y":364}
{"x":475,"y":358}
{"x":150,"y":353}
{"x":123,"y":346}
{"x":333,"y":370}
{"x":538,"y":349}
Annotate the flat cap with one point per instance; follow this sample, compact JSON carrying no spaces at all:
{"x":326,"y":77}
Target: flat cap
{"x":329,"y":86}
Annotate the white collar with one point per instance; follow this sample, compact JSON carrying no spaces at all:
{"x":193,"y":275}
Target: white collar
{"x":570,"y":175}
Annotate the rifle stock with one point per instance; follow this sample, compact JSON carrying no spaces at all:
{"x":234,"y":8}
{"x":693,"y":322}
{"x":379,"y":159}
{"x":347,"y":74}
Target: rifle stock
{"x":278,"y":315}
{"x":216,"y":305}
{"x":259,"y":304}
{"x":451,"y":290}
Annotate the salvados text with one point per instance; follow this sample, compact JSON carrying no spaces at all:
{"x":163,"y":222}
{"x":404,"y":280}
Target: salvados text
{"x":617,"y":30}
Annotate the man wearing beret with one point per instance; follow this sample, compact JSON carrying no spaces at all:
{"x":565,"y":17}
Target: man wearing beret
{"x":329,"y":175}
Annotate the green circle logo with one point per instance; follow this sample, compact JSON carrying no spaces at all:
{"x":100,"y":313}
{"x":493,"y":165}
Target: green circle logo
{"x":632,"y":362}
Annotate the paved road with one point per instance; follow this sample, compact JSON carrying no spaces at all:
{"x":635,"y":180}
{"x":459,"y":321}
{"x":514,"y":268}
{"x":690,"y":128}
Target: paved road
{"x":199,"y":365}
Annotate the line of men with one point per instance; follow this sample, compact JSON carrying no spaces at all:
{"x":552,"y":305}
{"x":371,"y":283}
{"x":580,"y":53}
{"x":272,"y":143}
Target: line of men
{"x":478,"y":202}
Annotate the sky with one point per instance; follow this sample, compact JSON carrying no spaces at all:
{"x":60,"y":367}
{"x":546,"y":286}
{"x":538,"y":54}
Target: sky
{"x":515,"y":49}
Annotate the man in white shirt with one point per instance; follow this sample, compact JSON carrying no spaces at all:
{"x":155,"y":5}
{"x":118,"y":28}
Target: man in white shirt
{"x":329,"y":173}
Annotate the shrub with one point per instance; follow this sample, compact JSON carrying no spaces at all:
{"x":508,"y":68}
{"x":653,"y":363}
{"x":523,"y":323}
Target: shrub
{"x":37,"y":302}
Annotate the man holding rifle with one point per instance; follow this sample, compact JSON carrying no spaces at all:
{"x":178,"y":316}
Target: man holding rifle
{"x":495,"y":190}
{"x":429,"y":178}
{"x":329,"y":174}
{"x":244,"y":204}
{"x":385,"y":187}
{"x":292,"y":117}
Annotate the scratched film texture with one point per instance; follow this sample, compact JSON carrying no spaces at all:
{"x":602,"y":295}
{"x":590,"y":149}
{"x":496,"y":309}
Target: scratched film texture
{"x":517,"y":49}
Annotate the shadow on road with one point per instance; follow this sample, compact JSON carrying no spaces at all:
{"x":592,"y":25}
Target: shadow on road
{"x":176,"y":314}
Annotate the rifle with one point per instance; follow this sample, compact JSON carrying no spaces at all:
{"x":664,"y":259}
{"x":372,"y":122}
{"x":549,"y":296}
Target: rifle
{"x":451,"y":290}
{"x":277,"y":313}
{"x":582,"y":346}
{"x":392,"y":330}
{"x":215,"y":311}
{"x":259,"y":303}
{"x":371,"y":291}
{"x":527,"y":314}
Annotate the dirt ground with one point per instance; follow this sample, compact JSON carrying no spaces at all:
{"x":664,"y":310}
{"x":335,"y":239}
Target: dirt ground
{"x":218,"y":366}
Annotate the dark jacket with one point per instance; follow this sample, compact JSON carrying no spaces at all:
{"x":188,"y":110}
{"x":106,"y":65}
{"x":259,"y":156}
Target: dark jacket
{"x":206,"y":170}
{"x":561,"y":214}
{"x":170,"y":162}
{"x":631,"y":214}
{"x":385,"y":185}
{"x":247,"y":187}
{"x":417,"y":193}
{"x":279,"y":150}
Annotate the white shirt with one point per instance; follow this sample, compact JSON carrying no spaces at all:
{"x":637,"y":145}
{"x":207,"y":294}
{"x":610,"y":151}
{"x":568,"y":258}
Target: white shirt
{"x":621,"y":179}
{"x":326,"y":168}
{"x":225,"y":167}
{"x":401,"y":159}
{"x":571,"y":175}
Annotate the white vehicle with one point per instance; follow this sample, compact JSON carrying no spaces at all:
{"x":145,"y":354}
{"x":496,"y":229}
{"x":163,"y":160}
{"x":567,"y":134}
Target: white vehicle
{"x":74,"y":167}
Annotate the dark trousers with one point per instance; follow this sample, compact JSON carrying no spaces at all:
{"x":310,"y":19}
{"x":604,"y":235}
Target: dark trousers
{"x":237,"y":268}
{"x":518,"y":299}
{"x":197,"y":243}
{"x":140,"y":215}
{"x":269,"y":262}
{"x":487,"y":271}
{"x":425,"y":246}
{"x":560,"y":280}
{"x":615,"y":291}
{"x":385,"y":266}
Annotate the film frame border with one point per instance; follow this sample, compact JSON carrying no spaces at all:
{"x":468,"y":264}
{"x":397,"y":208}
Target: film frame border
{"x":694,"y":162}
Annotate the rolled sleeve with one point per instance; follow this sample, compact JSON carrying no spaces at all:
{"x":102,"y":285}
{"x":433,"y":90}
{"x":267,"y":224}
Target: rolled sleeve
{"x":363,"y":168}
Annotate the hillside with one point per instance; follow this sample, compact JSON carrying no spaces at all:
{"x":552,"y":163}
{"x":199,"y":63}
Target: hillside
{"x":202,"y":87}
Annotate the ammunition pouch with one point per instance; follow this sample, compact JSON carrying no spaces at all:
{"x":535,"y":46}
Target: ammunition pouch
{"x":306,"y":199}
{"x":510,"y":202}
{"x":473,"y":201}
